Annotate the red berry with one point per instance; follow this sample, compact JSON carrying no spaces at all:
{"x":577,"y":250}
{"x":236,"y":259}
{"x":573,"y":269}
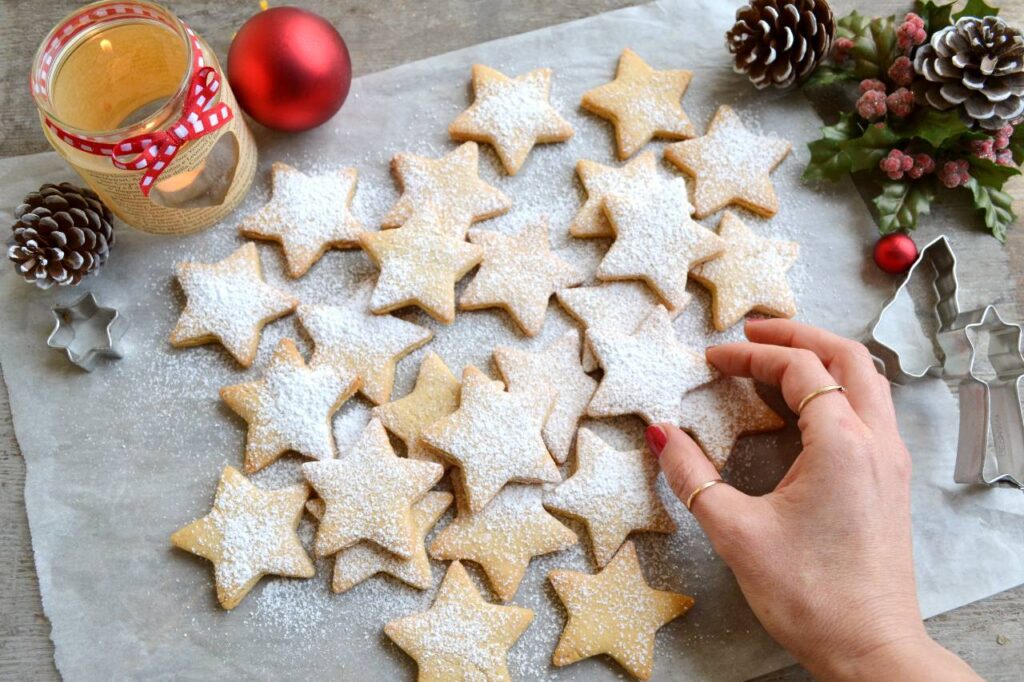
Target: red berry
{"x":1005,"y":158}
{"x":900,"y":103}
{"x":869,"y":84}
{"x":842,"y":48}
{"x":902,"y":71}
{"x":983,"y":149}
{"x":955,"y":173}
{"x":871,"y":105}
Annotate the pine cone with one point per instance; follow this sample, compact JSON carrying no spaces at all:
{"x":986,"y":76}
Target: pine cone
{"x":778,"y":42}
{"x":978,"y":65}
{"x":63,"y":233}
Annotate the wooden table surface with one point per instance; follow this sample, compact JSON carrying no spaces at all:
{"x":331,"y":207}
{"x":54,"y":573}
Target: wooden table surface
{"x":380,"y":34}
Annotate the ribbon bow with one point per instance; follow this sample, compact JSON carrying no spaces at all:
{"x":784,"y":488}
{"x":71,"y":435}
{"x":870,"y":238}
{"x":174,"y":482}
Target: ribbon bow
{"x":155,"y":151}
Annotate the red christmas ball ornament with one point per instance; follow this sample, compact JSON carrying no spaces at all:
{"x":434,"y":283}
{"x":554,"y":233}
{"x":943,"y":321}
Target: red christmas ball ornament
{"x":895,"y":253}
{"x":289,"y":69}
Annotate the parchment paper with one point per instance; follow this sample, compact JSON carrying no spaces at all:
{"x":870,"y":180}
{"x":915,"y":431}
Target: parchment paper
{"x":120,"y":458}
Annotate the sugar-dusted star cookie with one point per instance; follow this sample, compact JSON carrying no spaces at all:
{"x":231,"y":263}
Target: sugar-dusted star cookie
{"x":419,"y":263}
{"x":290,"y":408}
{"x":494,"y":437}
{"x":730,"y":165}
{"x":503,"y":537}
{"x":510,"y":114}
{"x":611,"y":306}
{"x":749,"y":276}
{"x":249,"y":533}
{"x":557,"y":368}
{"x":363,"y":560}
{"x":656,"y":240}
{"x":435,"y":396}
{"x":228,"y":302}
{"x":450,"y":185}
{"x":613,"y":492}
{"x":518,"y":274}
{"x":614,"y":612}
{"x":307,"y":214}
{"x":646,"y":372}
{"x":642,"y":103}
{"x":600,"y":181}
{"x":354,"y":340}
{"x":460,"y":637}
{"x":717,"y":414}
{"x":369,"y":493}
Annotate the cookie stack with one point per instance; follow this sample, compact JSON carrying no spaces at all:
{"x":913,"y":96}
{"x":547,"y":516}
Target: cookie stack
{"x":496,"y":447}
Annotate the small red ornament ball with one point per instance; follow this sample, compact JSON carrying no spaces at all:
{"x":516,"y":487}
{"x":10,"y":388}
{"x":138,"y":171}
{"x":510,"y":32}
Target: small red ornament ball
{"x":289,"y":69}
{"x":895,"y":253}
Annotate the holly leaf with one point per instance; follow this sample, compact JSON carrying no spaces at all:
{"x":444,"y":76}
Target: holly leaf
{"x":874,"y":50}
{"x":867,"y":150}
{"x":828,"y":160}
{"x":900,"y":204}
{"x":935,"y":16}
{"x":935,"y":127}
{"x":995,"y":205}
{"x":976,"y":8}
{"x":1017,"y":144}
{"x":852,"y":26}
{"x":990,"y":173}
{"x":827,"y":74}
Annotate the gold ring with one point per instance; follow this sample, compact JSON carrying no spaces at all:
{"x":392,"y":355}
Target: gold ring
{"x":819,"y":392}
{"x":701,"y":488}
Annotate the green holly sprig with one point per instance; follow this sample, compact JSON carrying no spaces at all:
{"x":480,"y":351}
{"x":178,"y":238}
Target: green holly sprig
{"x":854,"y":145}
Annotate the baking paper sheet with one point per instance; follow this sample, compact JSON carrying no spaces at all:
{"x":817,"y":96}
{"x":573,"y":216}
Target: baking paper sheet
{"x":120,"y":458}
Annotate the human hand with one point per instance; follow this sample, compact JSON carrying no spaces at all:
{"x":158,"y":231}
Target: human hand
{"x":825,"y":560}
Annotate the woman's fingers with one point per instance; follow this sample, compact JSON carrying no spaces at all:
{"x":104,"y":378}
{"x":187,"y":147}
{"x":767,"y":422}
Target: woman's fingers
{"x":720,"y":508}
{"x":797,"y":371}
{"x":846,"y":360}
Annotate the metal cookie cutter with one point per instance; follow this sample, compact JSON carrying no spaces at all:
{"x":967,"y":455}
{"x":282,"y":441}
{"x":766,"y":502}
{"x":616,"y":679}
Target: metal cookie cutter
{"x":86,"y":331}
{"x":990,"y":411}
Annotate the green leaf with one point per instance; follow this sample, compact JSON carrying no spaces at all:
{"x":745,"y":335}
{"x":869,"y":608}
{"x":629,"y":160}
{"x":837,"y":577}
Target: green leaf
{"x":935,"y":16}
{"x":827,"y":74}
{"x":874,"y":43}
{"x":1017,"y":144}
{"x":976,"y":8}
{"x":935,"y":127}
{"x":828,"y":160}
{"x":900,"y":204}
{"x":995,"y":205}
{"x":867,"y":150}
{"x":990,"y":173}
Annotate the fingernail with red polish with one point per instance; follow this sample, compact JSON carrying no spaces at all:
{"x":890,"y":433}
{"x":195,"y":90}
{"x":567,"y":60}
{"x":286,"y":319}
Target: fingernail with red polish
{"x":656,"y":439}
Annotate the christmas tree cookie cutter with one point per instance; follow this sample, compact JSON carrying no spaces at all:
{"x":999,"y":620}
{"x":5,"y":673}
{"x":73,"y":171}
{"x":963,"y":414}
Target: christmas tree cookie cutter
{"x":990,"y":409}
{"x":86,"y":331}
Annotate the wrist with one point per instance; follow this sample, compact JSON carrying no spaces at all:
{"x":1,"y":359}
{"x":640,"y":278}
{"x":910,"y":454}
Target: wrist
{"x":911,"y":657}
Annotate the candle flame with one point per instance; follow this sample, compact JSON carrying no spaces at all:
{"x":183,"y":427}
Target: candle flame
{"x":105,"y":45}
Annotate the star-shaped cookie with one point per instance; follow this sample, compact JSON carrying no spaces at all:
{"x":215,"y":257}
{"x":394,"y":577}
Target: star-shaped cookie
{"x":503,"y":537}
{"x":750,"y":275}
{"x":614,"y":612}
{"x":600,"y":181}
{"x":435,"y":396}
{"x":451,"y":186}
{"x":494,"y":437}
{"x":228,"y":302}
{"x":610,"y":306}
{"x":557,"y":368}
{"x":510,"y":114}
{"x":656,"y":240}
{"x":354,"y":340}
{"x":249,"y":533}
{"x":730,"y":165}
{"x":368,"y":494}
{"x":717,"y":414}
{"x":460,"y":637}
{"x":363,"y":560}
{"x":613,"y":492}
{"x":290,"y":408}
{"x":642,"y":103}
{"x":646,"y":372}
{"x":518,"y":274}
{"x":307,"y":214}
{"x":419,"y":263}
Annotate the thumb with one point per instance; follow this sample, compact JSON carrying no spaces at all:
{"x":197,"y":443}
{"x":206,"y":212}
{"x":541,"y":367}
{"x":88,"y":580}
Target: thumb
{"x":720,"y":508}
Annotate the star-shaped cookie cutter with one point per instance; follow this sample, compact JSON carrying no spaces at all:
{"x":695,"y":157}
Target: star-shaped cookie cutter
{"x":990,"y":410}
{"x":86,"y":331}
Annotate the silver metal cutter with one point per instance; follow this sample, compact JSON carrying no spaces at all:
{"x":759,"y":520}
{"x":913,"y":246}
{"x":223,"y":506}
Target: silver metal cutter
{"x":86,"y":331}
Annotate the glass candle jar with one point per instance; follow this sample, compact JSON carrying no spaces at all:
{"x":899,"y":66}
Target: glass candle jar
{"x":137,"y":105}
